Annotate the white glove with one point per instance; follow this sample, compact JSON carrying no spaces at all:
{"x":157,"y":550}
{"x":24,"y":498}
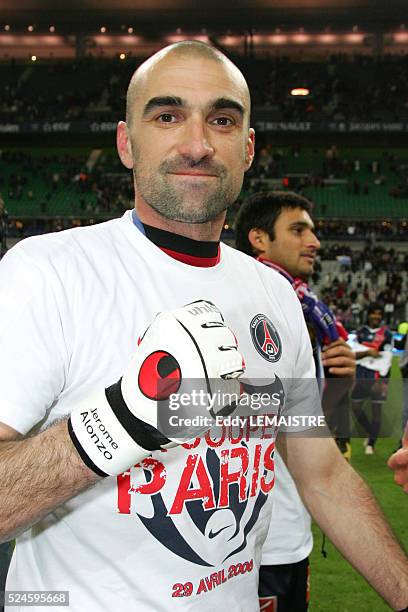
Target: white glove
{"x":187,"y":352}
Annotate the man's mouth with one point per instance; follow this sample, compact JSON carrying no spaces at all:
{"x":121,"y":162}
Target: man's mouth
{"x":309,"y":256}
{"x":194,"y":174}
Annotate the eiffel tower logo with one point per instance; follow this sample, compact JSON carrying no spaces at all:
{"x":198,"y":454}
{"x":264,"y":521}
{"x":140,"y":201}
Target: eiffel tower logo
{"x":266,"y":338}
{"x":269,"y":346}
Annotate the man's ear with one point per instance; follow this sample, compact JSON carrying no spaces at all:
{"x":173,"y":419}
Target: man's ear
{"x":123,"y":145}
{"x":257,"y":238}
{"x":250,"y":149}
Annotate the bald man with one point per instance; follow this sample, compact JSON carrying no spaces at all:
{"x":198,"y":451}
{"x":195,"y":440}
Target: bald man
{"x":112,"y":509}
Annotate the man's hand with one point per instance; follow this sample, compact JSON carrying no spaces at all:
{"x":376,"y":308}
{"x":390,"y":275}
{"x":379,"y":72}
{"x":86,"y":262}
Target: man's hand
{"x":184,"y":351}
{"x":339,"y":358}
{"x":399,"y":463}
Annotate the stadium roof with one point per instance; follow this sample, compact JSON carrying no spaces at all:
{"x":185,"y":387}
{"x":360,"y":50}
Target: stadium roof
{"x":162,"y":14}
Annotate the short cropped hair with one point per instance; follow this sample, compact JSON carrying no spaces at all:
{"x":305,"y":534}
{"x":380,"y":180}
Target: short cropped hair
{"x":374,"y":306}
{"x":261,"y":211}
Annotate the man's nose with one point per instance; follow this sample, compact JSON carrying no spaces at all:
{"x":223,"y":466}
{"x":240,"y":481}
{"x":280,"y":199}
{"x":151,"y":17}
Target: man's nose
{"x":195,"y":141}
{"x":312,"y":241}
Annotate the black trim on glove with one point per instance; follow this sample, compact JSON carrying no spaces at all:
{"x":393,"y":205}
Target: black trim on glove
{"x":88,"y":462}
{"x":143,"y":434}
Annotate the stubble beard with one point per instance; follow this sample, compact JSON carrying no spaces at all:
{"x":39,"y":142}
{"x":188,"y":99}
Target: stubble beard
{"x":302,"y":273}
{"x":193,"y":203}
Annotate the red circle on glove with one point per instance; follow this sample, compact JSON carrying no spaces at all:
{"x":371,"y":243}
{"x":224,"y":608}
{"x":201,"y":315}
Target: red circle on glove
{"x":159,"y":376}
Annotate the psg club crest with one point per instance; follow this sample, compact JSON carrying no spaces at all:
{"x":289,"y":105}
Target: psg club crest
{"x":265,"y":338}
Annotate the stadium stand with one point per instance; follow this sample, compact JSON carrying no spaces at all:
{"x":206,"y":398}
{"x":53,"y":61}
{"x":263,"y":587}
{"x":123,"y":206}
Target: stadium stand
{"x":50,"y":182}
{"x":343,"y":182}
{"x":61,"y":90}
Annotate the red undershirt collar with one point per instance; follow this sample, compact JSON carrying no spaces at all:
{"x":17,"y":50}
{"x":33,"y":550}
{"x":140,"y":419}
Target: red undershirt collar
{"x":202,"y":254}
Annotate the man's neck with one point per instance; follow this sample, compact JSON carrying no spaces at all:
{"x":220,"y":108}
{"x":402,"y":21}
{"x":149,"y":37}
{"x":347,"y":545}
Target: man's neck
{"x":209,"y":232}
{"x":275,"y":266}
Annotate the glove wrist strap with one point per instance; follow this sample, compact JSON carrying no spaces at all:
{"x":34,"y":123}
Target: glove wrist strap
{"x":102,"y":440}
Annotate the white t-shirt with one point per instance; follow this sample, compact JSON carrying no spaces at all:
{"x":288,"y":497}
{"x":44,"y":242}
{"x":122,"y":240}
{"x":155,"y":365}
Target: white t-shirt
{"x":185,"y":529}
{"x":290,"y":537}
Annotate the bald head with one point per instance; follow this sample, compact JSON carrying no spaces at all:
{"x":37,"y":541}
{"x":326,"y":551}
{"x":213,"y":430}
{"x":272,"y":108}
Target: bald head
{"x":189,"y":49}
{"x":187,"y":135}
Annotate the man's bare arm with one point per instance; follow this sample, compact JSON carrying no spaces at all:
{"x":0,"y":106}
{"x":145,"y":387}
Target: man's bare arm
{"x":345,"y":509}
{"x":37,"y":474}
{"x":107,"y":432}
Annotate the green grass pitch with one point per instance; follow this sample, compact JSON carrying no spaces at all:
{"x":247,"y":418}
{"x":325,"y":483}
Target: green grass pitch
{"x":335,"y":586}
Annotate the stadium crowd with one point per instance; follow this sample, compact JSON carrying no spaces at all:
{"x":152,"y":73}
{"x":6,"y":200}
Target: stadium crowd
{"x":360,"y":176}
{"x":91,"y":191}
{"x":350,"y":304}
{"x":64,"y":91}
{"x":84,"y":183}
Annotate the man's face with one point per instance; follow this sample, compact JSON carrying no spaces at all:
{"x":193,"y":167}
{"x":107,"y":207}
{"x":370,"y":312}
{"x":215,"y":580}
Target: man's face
{"x":189,"y":136}
{"x":375,"y":318}
{"x":295,"y":244}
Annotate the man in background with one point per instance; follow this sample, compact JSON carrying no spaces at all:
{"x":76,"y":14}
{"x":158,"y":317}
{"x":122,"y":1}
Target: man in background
{"x":277,"y":228}
{"x":374,"y":363}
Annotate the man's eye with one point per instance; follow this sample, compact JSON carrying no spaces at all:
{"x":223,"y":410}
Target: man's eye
{"x":166,"y":118}
{"x":223,"y":121}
